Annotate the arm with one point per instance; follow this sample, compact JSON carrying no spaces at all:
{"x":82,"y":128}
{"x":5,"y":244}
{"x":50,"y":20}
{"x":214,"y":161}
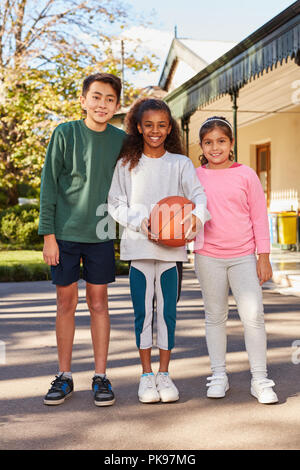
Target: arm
{"x":50,"y":250}
{"x":264,"y":268}
{"x":118,"y":204}
{"x":258,"y":214}
{"x":51,"y":170}
{"x":260,"y":224}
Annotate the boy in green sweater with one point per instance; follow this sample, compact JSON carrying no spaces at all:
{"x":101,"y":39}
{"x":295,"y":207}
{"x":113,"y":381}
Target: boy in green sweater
{"x":76,"y":178}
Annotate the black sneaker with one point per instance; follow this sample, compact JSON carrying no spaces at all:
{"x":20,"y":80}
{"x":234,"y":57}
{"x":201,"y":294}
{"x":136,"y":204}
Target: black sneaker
{"x":103,"y":394}
{"x":61,"y":389}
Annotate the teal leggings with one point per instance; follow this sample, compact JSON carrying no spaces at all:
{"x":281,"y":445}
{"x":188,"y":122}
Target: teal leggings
{"x":155,"y":282}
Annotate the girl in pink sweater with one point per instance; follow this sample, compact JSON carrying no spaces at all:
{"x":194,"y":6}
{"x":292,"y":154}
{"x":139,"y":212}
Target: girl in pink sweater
{"x":238,"y":229}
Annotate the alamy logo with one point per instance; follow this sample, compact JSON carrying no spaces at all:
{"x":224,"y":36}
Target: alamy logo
{"x":296,"y":352}
{"x":2,"y":353}
{"x":132,"y":217}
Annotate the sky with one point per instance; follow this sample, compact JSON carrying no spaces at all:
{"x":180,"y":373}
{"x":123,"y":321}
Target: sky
{"x":231,"y":20}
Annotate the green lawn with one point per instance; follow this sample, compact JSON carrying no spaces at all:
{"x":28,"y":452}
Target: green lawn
{"x":27,"y":265}
{"x":23,"y":265}
{"x":9,"y":258}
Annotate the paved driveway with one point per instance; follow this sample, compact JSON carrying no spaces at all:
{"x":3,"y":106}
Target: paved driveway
{"x":235,"y":422}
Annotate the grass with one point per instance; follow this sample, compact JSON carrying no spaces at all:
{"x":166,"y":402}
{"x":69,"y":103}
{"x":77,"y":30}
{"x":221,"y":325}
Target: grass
{"x":23,"y":265}
{"x":20,"y":246}
{"x":28,"y":265}
{"x":28,"y":257}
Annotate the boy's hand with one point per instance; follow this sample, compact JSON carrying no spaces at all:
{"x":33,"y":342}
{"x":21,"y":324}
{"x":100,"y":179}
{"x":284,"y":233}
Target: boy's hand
{"x":194,"y":228}
{"x":51,"y":250}
{"x":264,"y":268}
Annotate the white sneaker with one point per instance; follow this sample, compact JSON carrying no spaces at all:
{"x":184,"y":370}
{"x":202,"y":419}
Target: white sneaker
{"x":263,"y":391}
{"x":217,"y":386}
{"x":166,"y":388}
{"x":147,"y":392}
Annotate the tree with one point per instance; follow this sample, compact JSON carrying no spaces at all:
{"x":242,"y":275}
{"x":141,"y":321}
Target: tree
{"x":43,"y":29}
{"x":29,"y":111}
{"x":46,"y":49}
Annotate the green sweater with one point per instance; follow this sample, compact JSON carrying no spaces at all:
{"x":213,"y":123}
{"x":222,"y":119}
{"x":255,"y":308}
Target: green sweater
{"x":76,"y":178}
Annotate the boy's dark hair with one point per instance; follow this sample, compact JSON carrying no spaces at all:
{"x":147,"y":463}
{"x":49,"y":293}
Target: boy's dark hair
{"x":213,"y":123}
{"x":133,"y":145}
{"x":112,"y":80}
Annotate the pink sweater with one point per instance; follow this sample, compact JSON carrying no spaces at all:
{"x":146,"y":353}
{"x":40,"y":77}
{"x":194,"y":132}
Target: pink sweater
{"x":239,"y":221}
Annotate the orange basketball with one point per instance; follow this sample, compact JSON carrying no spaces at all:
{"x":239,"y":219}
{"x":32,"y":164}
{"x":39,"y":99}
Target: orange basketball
{"x":165,"y":220}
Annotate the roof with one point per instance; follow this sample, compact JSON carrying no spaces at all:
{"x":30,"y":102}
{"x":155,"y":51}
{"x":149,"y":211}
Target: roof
{"x":153,"y":91}
{"x":209,"y":51}
{"x":196,"y":55}
{"x":275,"y":42}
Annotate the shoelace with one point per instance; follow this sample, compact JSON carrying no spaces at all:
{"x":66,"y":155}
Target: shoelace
{"x":165,"y":379}
{"x":57,"y":383}
{"x":149,"y":383}
{"x":215,"y":381}
{"x":103,"y":384}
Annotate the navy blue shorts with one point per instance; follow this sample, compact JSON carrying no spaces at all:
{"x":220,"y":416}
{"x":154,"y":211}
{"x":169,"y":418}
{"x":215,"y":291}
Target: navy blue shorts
{"x":98,"y":261}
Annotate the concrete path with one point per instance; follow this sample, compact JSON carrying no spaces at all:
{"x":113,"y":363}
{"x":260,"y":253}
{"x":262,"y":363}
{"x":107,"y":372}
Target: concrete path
{"x":195,"y":422}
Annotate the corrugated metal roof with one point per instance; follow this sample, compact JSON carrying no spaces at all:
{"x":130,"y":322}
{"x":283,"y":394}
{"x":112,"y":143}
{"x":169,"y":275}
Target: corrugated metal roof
{"x":276,"y":41}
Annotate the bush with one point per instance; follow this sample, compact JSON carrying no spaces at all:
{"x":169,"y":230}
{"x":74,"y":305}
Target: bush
{"x":3,"y":199}
{"x":28,"y":233}
{"x":20,"y":272}
{"x":25,"y":190}
{"x":19,"y":225}
{"x":9,"y":224}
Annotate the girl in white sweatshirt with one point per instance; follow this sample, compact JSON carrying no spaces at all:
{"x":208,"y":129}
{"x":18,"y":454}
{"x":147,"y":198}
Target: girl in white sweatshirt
{"x":151,"y":167}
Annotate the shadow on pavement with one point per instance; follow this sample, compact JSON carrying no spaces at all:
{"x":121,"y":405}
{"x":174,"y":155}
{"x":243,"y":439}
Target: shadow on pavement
{"x":28,"y":329}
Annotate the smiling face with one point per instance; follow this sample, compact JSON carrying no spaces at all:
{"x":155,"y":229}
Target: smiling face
{"x":216,"y":146}
{"x":155,"y":127}
{"x":100,"y":104}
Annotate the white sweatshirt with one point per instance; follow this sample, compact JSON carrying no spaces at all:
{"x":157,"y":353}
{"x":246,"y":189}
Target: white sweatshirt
{"x":134,"y":193}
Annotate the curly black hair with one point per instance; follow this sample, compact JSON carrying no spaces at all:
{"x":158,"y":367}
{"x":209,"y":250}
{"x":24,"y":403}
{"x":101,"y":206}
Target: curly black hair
{"x":133,"y":145}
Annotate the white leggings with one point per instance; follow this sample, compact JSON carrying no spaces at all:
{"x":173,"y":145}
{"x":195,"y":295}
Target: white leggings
{"x":215,"y":276}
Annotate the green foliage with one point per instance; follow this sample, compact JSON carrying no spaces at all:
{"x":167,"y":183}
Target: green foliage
{"x":19,"y":225}
{"x":22,"y":273}
{"x":33,"y":103}
{"x":3,"y":199}
{"x":25,"y":190}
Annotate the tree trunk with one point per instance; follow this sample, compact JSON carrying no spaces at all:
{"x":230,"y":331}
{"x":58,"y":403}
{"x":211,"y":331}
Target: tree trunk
{"x":13,"y":196}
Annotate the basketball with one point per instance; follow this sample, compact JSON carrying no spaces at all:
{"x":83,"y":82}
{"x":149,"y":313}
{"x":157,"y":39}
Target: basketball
{"x":165,"y":220}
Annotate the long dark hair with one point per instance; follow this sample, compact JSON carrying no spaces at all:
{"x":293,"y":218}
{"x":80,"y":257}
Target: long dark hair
{"x":212,"y":123}
{"x":133,"y":145}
